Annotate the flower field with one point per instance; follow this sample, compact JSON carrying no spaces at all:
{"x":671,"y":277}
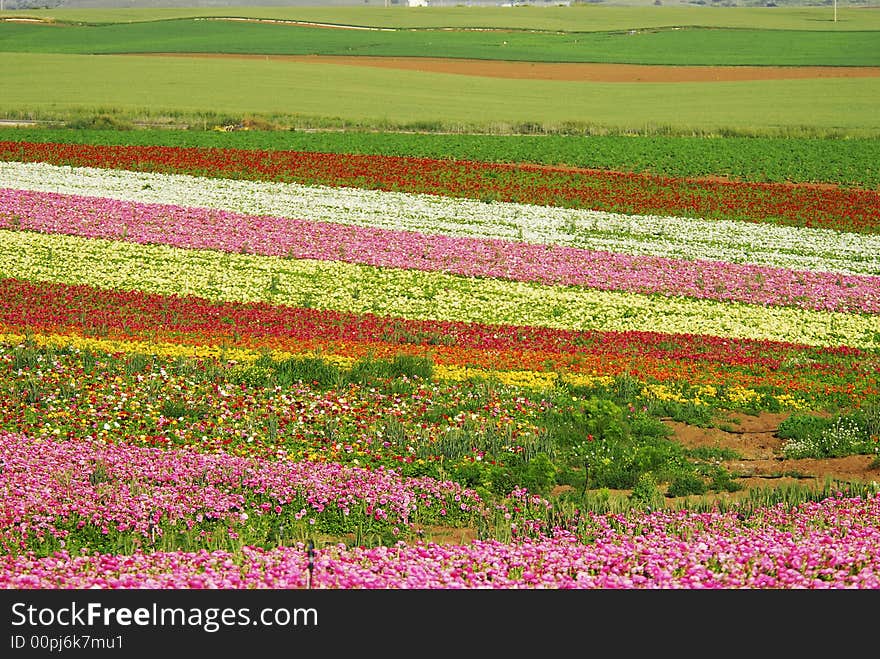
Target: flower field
{"x":436,"y":371}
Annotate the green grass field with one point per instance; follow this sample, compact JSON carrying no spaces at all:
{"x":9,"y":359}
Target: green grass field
{"x":669,"y":46}
{"x":46,"y":83}
{"x":65,"y":83}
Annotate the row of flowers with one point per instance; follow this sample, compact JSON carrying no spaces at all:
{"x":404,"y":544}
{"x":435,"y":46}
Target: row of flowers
{"x":849,"y":384}
{"x":802,"y":205}
{"x":75,"y":392}
{"x":184,"y":473}
{"x":826,"y":545}
{"x":132,"y":321}
{"x":672,"y":237}
{"x":203,"y":228}
{"x":414,"y":294}
{"x":66,"y":494}
{"x":206,"y":404}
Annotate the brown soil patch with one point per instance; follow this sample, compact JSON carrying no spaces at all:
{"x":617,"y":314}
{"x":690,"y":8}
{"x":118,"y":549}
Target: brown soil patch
{"x":449,"y":535}
{"x":761,"y":462}
{"x":582,"y":72}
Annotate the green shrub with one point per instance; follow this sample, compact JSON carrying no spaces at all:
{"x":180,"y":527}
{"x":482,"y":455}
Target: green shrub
{"x":721,"y":480}
{"x":644,"y":426}
{"x":691,"y":413}
{"x":658,"y":455}
{"x":597,"y":418}
{"x":684,"y":484}
{"x":646,"y":492}
{"x":802,"y":427}
{"x":539,"y":474}
{"x":99,"y":122}
{"x":843,"y":436}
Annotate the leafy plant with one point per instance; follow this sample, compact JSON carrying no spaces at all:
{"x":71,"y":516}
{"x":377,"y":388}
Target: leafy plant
{"x":841,"y":437}
{"x":646,"y":493}
{"x":803,"y":427}
{"x":685,"y":484}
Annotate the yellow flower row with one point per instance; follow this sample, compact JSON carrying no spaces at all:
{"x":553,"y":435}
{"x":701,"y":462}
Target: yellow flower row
{"x":735,"y":395}
{"x":701,"y":395}
{"x":411,"y":294}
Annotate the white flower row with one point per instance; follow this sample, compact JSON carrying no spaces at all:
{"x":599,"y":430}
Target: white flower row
{"x":674,"y":237}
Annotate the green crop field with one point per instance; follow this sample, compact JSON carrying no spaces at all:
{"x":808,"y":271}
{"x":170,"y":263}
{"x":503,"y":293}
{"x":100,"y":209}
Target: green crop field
{"x":51,"y":72}
{"x":316,"y":93}
{"x":670,"y":46}
{"x":851,"y":162}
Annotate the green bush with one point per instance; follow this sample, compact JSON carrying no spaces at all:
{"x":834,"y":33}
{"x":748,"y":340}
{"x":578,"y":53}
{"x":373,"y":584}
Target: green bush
{"x":539,"y":474}
{"x":802,"y":427}
{"x":99,"y":122}
{"x":721,"y":480}
{"x":644,"y":426}
{"x":646,"y":493}
{"x":841,"y":437}
{"x":684,"y":484}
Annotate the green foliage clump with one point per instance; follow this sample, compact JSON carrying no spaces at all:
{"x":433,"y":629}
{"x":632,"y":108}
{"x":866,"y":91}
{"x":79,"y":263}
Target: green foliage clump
{"x":838,"y":438}
{"x":811,"y":436}
{"x":401,"y":365}
{"x":646,"y":493}
{"x":313,"y":370}
{"x":802,"y":427}
{"x":99,"y":122}
{"x":721,"y":480}
{"x":685,"y":484}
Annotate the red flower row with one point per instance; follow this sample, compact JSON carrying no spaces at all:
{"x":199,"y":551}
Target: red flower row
{"x":798,"y":205}
{"x":82,"y":310}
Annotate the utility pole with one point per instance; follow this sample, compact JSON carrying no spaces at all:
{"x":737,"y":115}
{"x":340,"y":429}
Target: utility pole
{"x":835,"y":10}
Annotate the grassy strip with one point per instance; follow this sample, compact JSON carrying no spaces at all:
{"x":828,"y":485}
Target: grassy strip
{"x":856,"y":162}
{"x":109,"y":118}
{"x":330,"y":94}
{"x":668,"y":47}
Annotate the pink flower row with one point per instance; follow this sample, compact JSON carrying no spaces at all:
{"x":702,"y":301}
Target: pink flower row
{"x":200,"y":228}
{"x":134,"y":489}
{"x":831,"y":544}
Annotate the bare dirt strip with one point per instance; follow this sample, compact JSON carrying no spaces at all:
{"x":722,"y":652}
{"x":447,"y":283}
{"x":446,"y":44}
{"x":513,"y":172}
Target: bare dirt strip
{"x":583,"y":72}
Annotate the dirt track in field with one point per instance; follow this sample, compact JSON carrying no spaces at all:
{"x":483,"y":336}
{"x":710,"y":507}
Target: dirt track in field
{"x":571,"y":71}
